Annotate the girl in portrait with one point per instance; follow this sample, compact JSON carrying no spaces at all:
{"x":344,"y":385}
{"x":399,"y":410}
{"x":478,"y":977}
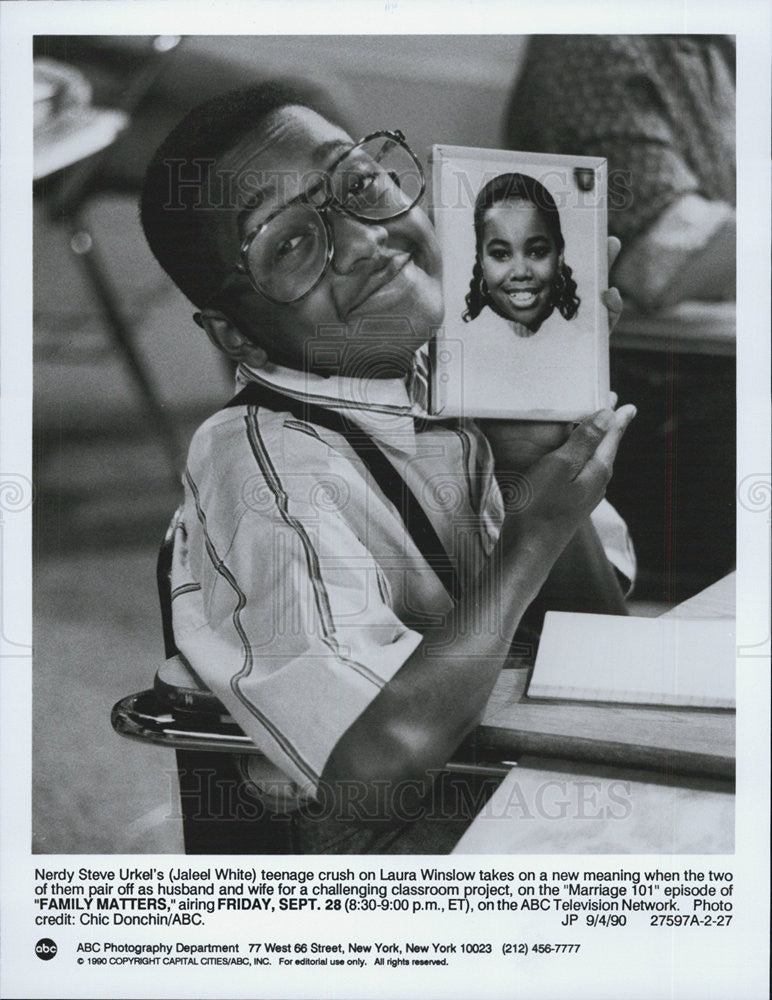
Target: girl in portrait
{"x":519,"y":271}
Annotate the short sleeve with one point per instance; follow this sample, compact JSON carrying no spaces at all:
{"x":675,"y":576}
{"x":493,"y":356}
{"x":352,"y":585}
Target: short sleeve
{"x":285,"y":616}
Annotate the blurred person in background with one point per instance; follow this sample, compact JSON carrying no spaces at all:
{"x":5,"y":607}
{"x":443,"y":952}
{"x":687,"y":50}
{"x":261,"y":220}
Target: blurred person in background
{"x":661,"y":109}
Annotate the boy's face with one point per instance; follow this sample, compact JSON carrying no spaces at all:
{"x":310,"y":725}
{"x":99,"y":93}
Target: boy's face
{"x":381,"y":296}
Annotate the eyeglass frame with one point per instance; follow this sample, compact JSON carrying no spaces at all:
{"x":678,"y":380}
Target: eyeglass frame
{"x":242,"y":268}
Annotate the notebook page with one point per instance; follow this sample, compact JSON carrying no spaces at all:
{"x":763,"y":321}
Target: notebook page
{"x":646,"y":661}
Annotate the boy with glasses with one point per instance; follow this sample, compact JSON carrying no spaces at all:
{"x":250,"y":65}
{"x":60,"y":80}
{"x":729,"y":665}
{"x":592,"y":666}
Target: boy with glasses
{"x":347,"y":575}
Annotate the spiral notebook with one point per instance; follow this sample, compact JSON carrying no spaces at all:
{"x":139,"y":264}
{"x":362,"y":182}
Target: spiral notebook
{"x":643,"y":661}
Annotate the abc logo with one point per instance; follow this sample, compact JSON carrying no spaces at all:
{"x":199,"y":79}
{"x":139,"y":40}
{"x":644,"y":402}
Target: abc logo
{"x":45,"y":949}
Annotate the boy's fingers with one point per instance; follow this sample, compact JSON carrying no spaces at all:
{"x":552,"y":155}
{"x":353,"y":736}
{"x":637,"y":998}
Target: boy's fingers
{"x":612,"y":300}
{"x":613,"y":247}
{"x":606,"y":451}
{"x":584,"y":439}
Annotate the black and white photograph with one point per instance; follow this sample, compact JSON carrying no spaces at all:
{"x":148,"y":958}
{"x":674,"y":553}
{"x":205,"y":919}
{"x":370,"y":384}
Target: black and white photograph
{"x":327,"y":630}
{"x":383,"y":502}
{"x":525,"y":331}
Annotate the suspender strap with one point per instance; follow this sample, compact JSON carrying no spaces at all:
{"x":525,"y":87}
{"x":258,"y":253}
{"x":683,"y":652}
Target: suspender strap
{"x":393,"y":486}
{"x":164,"y":580}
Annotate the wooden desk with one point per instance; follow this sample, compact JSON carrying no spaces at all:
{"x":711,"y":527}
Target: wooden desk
{"x":716,"y":601}
{"x":555,"y":807}
{"x":669,"y":740}
{"x":688,"y":328}
{"x":609,"y":779}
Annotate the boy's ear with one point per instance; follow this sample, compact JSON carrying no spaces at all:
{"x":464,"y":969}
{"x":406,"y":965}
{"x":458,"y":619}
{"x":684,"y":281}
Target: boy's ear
{"x":229,"y":339}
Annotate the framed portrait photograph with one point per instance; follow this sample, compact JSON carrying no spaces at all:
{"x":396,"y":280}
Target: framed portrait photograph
{"x":523,"y":238}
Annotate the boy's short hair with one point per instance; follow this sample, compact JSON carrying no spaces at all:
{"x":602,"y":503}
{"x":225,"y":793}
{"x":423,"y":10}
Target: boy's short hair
{"x":177,"y":200}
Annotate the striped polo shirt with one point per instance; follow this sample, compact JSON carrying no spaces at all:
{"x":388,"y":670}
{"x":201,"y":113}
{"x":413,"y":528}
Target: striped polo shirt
{"x":297,"y":592}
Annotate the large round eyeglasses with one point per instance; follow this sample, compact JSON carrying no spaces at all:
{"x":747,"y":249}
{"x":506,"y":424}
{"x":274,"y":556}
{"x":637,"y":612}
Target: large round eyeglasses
{"x":287,"y":255}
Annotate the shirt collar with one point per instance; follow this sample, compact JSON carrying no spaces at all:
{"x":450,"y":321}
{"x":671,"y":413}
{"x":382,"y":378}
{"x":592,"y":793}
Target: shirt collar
{"x":385,"y":409}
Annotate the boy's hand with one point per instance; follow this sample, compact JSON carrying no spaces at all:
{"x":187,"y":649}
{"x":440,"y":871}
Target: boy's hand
{"x":612,"y":300}
{"x":565,"y":486}
{"x":517,"y":444}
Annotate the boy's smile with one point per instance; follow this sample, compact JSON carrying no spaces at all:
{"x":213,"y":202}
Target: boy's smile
{"x":381,"y":296}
